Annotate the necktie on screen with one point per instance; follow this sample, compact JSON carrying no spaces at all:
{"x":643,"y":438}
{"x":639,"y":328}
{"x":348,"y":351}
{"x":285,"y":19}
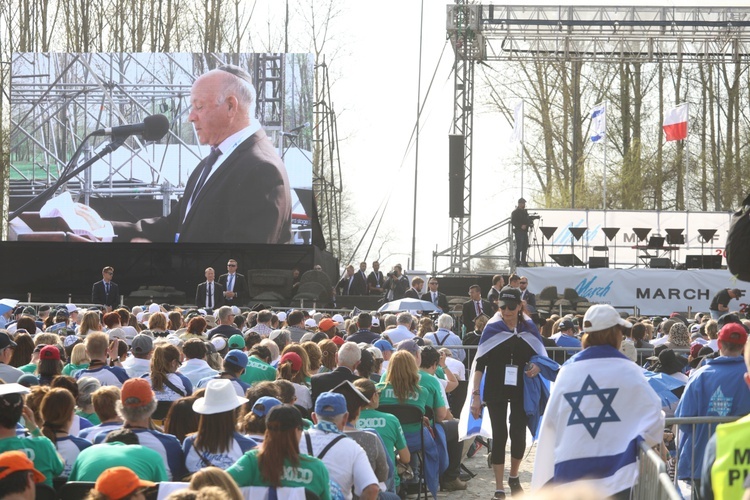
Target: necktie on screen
{"x":208,"y":163}
{"x":210,"y":296}
{"x":230,"y":284}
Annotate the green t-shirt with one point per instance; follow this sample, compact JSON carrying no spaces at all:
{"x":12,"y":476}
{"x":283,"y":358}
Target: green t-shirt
{"x":388,"y":428}
{"x":311,"y":474}
{"x":429,"y":394}
{"x":70,"y":368}
{"x":30,"y":368}
{"x":91,"y":417}
{"x":145,"y":462}
{"x":440,"y":373}
{"x":40,"y":450}
{"x":258,"y":370}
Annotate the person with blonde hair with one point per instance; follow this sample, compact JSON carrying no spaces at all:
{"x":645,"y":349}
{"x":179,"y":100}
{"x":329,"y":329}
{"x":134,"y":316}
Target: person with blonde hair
{"x":79,"y":360}
{"x":303,"y":375}
{"x":90,"y":322}
{"x":157,"y":323}
{"x":58,"y":411}
{"x":329,"y":355}
{"x":213,"y":476}
{"x":104,"y":400}
{"x":314,"y":355}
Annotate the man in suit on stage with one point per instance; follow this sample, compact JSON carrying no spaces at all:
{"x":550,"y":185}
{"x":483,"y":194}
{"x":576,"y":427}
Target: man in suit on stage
{"x":437,"y":298}
{"x":498,"y":282}
{"x":474,"y":307}
{"x":106,"y":292}
{"x":352,"y":283}
{"x":209,"y":295}
{"x":415,"y":292}
{"x":520,"y":221}
{"x":376,"y":280}
{"x":361,"y":277}
{"x":239,"y":193}
{"x":235,"y":286}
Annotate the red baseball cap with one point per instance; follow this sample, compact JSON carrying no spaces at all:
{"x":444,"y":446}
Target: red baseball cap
{"x":294,"y":359}
{"x":119,"y":482}
{"x":50,"y":352}
{"x":339,"y":341}
{"x":733,"y":333}
{"x":17,"y":461}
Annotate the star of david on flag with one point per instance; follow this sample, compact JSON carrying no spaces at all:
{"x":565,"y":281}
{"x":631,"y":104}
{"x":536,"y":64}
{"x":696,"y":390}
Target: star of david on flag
{"x":606,"y":413}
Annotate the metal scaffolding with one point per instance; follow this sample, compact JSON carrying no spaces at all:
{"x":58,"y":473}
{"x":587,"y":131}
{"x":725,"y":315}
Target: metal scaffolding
{"x":489,"y":33}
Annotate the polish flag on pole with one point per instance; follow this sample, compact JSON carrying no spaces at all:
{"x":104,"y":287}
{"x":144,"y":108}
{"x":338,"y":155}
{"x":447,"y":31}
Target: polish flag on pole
{"x":676,"y":123}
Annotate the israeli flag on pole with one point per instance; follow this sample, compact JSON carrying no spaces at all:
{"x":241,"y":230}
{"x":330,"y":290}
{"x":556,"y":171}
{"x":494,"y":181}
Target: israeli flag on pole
{"x":517,"y":134}
{"x":598,"y":122}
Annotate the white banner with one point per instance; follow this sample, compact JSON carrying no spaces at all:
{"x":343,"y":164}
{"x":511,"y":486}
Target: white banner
{"x":621,"y":251}
{"x":653,"y":291}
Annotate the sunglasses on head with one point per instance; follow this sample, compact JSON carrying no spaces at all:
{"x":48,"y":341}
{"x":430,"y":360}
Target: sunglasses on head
{"x":510,"y":307}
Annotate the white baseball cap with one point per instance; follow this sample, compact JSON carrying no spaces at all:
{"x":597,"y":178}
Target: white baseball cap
{"x":154,"y":307}
{"x":338,"y":318}
{"x":602,"y":316}
{"x":281,"y":315}
{"x":310,"y":323}
{"x":71,"y":308}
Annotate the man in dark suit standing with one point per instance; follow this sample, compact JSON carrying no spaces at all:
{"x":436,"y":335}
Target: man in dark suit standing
{"x":348,"y":359}
{"x":498,"y":282}
{"x":376,"y":280}
{"x":361,"y":279}
{"x":209,"y":295}
{"x":396,"y":284}
{"x":520,"y":221}
{"x":474,"y":307}
{"x":437,"y":298}
{"x":106,"y":292}
{"x":239,"y":193}
{"x":235,"y":286}
{"x":352,"y":283}
{"x":526,"y":295}
{"x":415,"y":292}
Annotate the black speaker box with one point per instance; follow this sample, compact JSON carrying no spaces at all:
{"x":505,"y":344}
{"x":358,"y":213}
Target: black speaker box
{"x":456,"y":175}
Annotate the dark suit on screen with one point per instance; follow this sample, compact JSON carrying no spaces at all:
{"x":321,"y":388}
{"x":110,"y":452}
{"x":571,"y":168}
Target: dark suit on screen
{"x":99,"y":294}
{"x":239,"y":288}
{"x":200,"y":295}
{"x":323,"y":382}
{"x":246,"y":200}
{"x":469,"y":313}
{"x":442,"y":300}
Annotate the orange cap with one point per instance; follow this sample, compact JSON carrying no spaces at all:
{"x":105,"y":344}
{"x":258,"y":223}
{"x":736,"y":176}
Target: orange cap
{"x":136,"y":392}
{"x":16,"y":461}
{"x":326,"y":324}
{"x":119,"y":482}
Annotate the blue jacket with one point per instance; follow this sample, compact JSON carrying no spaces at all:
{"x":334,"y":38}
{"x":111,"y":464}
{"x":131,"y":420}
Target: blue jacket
{"x":536,"y":391}
{"x":716,"y":389}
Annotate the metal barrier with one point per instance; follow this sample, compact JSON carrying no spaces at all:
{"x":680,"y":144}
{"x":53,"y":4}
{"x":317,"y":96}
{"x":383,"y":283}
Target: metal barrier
{"x":694,"y":422}
{"x":653,"y":481}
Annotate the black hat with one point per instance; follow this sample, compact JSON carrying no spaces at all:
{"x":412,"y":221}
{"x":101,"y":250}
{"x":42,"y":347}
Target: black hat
{"x":670,"y":362}
{"x":509,"y":296}
{"x":566,"y":324}
{"x":6,"y":340}
{"x":283,"y":418}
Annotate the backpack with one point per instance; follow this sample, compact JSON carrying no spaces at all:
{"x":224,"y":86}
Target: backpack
{"x":738,"y":242}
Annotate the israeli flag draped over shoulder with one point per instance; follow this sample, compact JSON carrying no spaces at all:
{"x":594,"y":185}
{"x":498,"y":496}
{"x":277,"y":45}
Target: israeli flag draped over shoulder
{"x":495,"y":333}
{"x":600,"y":409}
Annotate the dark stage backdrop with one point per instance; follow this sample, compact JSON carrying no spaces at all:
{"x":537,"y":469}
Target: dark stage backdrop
{"x":52,"y":272}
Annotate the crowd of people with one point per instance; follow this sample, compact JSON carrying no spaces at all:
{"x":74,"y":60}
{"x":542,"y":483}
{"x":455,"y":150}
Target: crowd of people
{"x":130,"y":398}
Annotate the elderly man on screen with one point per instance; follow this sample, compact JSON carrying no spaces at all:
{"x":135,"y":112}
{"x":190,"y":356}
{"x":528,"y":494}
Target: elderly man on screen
{"x":240,"y":192}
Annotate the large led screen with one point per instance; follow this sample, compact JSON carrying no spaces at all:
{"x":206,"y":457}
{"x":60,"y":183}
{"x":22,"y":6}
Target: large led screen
{"x":185,"y":148}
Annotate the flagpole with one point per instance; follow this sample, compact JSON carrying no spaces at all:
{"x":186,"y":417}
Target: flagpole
{"x":521,"y":144}
{"x":687,"y":157}
{"x":604,"y":195}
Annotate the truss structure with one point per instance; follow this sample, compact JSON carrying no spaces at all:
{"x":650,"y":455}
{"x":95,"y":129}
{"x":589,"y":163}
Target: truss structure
{"x":58,"y":98}
{"x":483,"y":33}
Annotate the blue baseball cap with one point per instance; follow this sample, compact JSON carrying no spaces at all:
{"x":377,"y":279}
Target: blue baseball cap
{"x":383,"y":345}
{"x":237,"y":358}
{"x":330,"y":404}
{"x":263,"y":405}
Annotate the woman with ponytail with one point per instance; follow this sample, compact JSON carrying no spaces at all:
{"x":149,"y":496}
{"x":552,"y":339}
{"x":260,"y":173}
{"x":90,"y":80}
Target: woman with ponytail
{"x":291,"y":367}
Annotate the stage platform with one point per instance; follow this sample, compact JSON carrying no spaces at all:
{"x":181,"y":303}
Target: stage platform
{"x":56,"y":272}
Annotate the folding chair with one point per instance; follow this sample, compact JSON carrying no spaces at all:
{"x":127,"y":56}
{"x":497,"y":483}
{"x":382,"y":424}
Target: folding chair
{"x":408,"y":414}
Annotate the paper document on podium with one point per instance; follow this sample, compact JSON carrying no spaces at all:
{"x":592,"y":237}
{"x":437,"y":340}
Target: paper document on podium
{"x":63,"y":206}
